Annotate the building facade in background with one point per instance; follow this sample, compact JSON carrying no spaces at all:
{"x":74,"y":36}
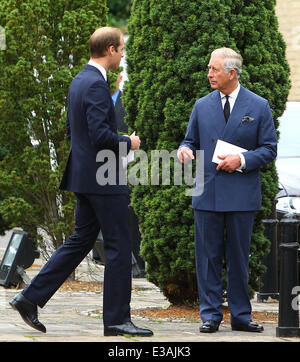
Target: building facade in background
{"x":288,"y":13}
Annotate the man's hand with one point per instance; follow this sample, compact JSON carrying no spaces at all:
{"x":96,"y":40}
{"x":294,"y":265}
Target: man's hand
{"x":229,"y":163}
{"x":135,"y":142}
{"x":185,"y":154}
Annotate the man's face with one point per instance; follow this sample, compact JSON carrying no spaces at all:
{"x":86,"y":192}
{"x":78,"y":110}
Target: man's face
{"x":217,"y":77}
{"x":117,"y":55}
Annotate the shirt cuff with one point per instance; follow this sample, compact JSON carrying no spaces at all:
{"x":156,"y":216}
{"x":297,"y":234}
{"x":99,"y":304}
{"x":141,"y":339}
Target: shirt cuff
{"x":243,"y":162}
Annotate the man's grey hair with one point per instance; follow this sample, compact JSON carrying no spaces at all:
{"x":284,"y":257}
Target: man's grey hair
{"x":232,"y":60}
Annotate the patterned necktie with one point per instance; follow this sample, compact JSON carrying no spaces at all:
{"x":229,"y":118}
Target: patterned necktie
{"x":227,"y":109}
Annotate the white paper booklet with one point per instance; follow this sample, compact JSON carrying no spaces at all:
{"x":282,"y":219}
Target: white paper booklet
{"x":226,"y":148}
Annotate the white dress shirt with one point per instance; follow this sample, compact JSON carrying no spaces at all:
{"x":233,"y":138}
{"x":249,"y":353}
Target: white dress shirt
{"x":98,"y":66}
{"x":232,"y":98}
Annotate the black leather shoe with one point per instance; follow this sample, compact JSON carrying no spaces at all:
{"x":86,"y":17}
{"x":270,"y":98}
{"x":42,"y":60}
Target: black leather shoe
{"x":247,"y":327}
{"x":28,"y":312}
{"x":127,"y":328}
{"x":210,"y":326}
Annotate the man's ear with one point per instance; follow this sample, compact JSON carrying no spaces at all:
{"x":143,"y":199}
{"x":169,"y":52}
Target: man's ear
{"x":232,"y":74}
{"x":110,"y":50}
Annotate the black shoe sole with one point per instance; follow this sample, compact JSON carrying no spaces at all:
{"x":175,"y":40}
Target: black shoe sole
{"x":112,"y":333}
{"x":247,"y":330}
{"x":209,"y":330}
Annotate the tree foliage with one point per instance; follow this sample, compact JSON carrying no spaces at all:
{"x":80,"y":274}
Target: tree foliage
{"x":46,"y":45}
{"x":3,"y":224}
{"x":119,"y":11}
{"x":167,"y":54}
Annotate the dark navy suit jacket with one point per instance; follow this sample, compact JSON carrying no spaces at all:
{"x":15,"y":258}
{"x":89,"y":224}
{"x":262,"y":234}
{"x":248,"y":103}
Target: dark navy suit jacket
{"x":250,"y":126}
{"x":92,"y":124}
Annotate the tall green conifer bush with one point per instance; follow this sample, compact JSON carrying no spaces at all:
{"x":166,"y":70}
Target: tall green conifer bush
{"x":46,"y":46}
{"x":167,"y":54}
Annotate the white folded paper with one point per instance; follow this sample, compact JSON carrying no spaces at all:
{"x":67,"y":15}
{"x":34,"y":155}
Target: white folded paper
{"x":226,"y":148}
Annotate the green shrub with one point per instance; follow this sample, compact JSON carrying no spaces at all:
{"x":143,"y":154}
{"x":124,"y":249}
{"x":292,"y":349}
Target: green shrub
{"x":46,"y":45}
{"x":167,"y":54}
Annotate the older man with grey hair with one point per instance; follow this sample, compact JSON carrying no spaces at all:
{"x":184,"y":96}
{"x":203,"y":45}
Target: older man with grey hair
{"x":224,"y":212}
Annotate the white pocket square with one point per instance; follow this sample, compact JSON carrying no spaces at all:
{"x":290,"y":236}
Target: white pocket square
{"x":247,"y":119}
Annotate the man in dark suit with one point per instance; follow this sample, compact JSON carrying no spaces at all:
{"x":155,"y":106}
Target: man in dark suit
{"x":224,"y":212}
{"x":92,"y":127}
{"x":119,"y":109}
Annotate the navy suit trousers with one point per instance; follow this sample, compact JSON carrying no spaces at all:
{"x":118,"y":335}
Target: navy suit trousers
{"x":219,"y":235}
{"x":93,"y":212}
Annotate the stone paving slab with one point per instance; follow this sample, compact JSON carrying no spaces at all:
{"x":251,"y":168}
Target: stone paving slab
{"x":76,"y":317}
{"x":68,"y":318}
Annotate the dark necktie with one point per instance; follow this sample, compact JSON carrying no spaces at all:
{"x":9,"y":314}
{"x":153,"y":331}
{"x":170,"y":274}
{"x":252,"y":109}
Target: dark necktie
{"x":227,"y":109}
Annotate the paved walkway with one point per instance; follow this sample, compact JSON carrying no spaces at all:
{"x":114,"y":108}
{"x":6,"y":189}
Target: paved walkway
{"x":76,"y":317}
